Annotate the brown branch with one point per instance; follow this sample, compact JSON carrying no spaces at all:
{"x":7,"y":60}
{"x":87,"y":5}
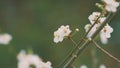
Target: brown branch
{"x":106,"y":52}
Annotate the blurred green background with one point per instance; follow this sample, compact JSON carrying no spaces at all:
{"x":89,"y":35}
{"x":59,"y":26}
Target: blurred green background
{"x":32,"y":23}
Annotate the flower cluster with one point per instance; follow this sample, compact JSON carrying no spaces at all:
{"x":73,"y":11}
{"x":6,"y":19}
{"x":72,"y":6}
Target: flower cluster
{"x":5,"y":38}
{"x":105,"y":32}
{"x":31,"y":60}
{"x":62,"y":32}
{"x":111,"y":5}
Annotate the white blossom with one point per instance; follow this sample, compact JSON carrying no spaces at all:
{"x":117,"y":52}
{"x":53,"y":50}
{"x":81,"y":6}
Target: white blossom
{"x":87,"y":27}
{"x":5,"y":38}
{"x":105,"y":34}
{"x":26,"y":60}
{"x":83,"y":66}
{"x":93,"y":17}
{"x":61,"y":33}
{"x":91,"y":32}
{"x":58,"y":36}
{"x":103,"y":38}
{"x":45,"y":65}
{"x":102,"y":66}
{"x":111,"y":5}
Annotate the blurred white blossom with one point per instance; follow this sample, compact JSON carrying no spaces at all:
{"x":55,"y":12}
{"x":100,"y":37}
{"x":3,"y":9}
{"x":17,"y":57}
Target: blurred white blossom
{"x":62,"y":32}
{"x":83,"y":66}
{"x":105,"y":34}
{"x":28,"y":60}
{"x":102,"y":66}
{"x":111,"y":5}
{"x":5,"y":38}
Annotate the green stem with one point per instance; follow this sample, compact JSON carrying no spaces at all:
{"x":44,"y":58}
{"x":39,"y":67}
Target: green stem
{"x":78,"y":50}
{"x":70,"y":38}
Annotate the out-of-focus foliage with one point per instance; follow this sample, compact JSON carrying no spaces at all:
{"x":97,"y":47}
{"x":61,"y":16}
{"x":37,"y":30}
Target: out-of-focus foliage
{"x":32,"y":23}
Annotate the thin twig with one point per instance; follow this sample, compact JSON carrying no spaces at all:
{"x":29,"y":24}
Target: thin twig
{"x":106,"y":52}
{"x":73,"y":41}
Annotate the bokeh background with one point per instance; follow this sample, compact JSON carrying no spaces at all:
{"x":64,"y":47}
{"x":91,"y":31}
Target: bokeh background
{"x":32,"y":23}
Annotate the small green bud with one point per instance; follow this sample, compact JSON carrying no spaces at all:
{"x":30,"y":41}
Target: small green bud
{"x":77,"y":29}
